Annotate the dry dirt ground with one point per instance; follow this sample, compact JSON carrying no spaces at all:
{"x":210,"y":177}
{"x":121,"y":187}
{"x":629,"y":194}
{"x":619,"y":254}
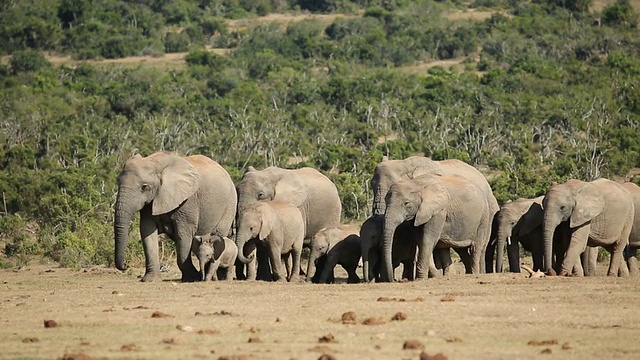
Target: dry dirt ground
{"x":101,"y":313}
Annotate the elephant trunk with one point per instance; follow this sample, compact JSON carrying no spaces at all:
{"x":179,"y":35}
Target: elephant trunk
{"x":387,"y":245}
{"x":379,"y":205}
{"x":365,"y":266}
{"x":240,"y":241}
{"x":549,"y":229}
{"x":122,"y":221}
{"x":501,"y":242}
{"x":311,"y":265}
{"x":203,"y":269}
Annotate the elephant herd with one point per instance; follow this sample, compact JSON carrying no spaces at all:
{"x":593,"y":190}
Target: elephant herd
{"x":257,"y":229}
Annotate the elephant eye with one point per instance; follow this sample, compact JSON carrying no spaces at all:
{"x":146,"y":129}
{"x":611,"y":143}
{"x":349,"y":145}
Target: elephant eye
{"x":145,"y":187}
{"x":562,"y":207}
{"x":261,"y":195}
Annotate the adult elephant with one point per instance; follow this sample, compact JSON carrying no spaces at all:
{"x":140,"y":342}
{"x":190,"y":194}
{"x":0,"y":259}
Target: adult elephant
{"x":181,"y":197}
{"x":634,"y":236}
{"x":389,"y":172}
{"x":451,"y":210}
{"x":313,"y":193}
{"x":597,"y":213}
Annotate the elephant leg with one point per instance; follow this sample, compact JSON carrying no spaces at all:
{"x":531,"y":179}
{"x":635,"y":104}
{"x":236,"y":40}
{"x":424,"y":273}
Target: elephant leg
{"x":617,"y":252}
{"x":184,"y":237}
{"x":276,"y":262}
{"x":351,"y":273}
{"x":149,"y":235}
{"x":327,"y":269}
{"x":578,"y":269}
{"x":479,"y":246}
{"x":577,"y":245}
{"x":434,"y":266}
{"x":466,"y":258}
{"x":632,"y":264}
{"x":445,"y":260}
{"x":407,"y":270}
{"x":430,"y":235}
{"x":286,"y":260}
{"x":212,"y":271}
{"x":296,"y":256}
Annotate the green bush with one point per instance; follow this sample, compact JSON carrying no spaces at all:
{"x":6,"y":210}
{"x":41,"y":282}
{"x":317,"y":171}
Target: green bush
{"x":28,"y":60}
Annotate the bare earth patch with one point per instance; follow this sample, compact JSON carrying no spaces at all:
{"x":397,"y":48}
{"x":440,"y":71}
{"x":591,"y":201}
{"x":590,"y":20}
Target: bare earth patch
{"x":505,"y":316}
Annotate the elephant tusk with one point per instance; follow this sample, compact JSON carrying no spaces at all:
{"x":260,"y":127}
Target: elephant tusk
{"x":508,"y":240}
{"x":528,"y":269}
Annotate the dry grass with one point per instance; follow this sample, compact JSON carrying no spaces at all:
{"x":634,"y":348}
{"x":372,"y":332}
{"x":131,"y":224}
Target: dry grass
{"x":104,"y":314}
{"x":283,"y":20}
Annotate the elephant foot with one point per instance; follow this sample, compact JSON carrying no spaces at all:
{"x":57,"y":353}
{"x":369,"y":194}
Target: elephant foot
{"x":565,"y":273}
{"x":632,"y":263}
{"x":151,"y":277}
{"x":551,"y":272}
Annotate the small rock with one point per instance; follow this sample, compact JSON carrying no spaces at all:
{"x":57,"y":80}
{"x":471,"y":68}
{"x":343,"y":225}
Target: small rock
{"x":448,"y":298}
{"x":543,"y":342}
{"x":413,"y":345}
{"x":254,"y":340}
{"x":77,"y":356}
{"x":431,"y":333}
{"x":50,"y":324}
{"x":174,"y":341}
{"x":453,"y":340}
{"x":374,"y":321}
{"x":30,"y":340}
{"x":399,"y":316}
{"x":546,"y":351}
{"x":349,"y":317}
{"x":254,"y":330}
{"x":129,"y":347}
{"x":279,"y":319}
{"x":208,"y":332}
{"x":116,"y":292}
{"x":567,"y":346}
{"x":21,"y":304}
{"x":185,"y":328}
{"x":158,"y":314}
{"x":329,"y":338}
{"x":385,"y":299}
{"x":438,"y":356}
{"x":326,"y":357}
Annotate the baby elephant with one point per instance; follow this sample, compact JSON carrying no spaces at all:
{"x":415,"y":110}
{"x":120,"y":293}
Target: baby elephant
{"x":277,"y":227}
{"x":339,"y":245}
{"x":217,"y":255}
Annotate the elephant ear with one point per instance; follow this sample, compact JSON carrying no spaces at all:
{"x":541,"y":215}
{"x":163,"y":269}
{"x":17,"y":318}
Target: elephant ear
{"x":292,"y":189}
{"x":589,"y":204}
{"x":178,"y":181}
{"x":432,"y":203}
{"x":530,"y":220}
{"x":268,"y":221}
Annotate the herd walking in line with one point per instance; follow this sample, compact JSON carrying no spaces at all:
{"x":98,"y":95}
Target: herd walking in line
{"x":256,"y":230}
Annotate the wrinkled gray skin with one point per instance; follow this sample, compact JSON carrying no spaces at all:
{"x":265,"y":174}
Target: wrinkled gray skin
{"x":306,"y":188}
{"x":403,"y":252}
{"x":634,"y":237}
{"x":179,"y":196}
{"x":217,"y":256}
{"x":388,"y":172}
{"x":596,"y":213}
{"x":450,"y":209}
{"x":279,"y":227}
{"x":338,"y":245}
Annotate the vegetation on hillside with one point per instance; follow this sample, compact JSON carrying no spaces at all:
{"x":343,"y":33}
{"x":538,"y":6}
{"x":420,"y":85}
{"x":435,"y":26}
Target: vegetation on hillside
{"x":544,"y":95}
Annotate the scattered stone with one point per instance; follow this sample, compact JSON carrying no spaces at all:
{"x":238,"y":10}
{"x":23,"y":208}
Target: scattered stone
{"x":438,"y":356}
{"x":279,"y":319}
{"x":254,"y":330}
{"x":329,"y":338}
{"x":129,"y":347}
{"x":374,"y":321}
{"x":254,"y":340}
{"x":322,"y":348}
{"x":111,"y":309}
{"x":185,"y":328}
{"x":85,"y":343}
{"x":174,"y":341}
{"x":158,"y":314}
{"x":116,"y":292}
{"x":448,"y":298}
{"x":385,"y":299}
{"x":399,"y":316}
{"x":379,"y":336}
{"x":413,"y":345}
{"x":208,"y":332}
{"x":546,"y":351}
{"x":567,"y":346}
{"x":543,"y":342}
{"x":77,"y":356}
{"x":326,"y":357}
{"x":140,"y":307}
{"x":349,"y":317}
{"x":222,"y":312}
{"x":21,"y":304}
{"x":30,"y":340}
{"x":431,"y":333}
{"x":453,"y":340}
{"x":50,"y":324}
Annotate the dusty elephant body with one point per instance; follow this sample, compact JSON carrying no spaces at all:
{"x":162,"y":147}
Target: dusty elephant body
{"x":389,"y":172}
{"x":338,"y":246}
{"x":634,"y":236}
{"x":596,"y":213}
{"x":217,"y":256}
{"x":178,"y":196}
{"x":306,"y":188}
{"x":451,"y":210}
{"x":279,"y":228}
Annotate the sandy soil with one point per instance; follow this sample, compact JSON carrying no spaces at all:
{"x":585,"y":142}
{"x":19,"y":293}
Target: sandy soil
{"x":101,"y":313}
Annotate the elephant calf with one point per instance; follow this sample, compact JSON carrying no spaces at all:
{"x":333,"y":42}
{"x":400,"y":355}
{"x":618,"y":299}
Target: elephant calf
{"x":279,"y":227}
{"x":338,"y":245}
{"x":217,"y":256}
